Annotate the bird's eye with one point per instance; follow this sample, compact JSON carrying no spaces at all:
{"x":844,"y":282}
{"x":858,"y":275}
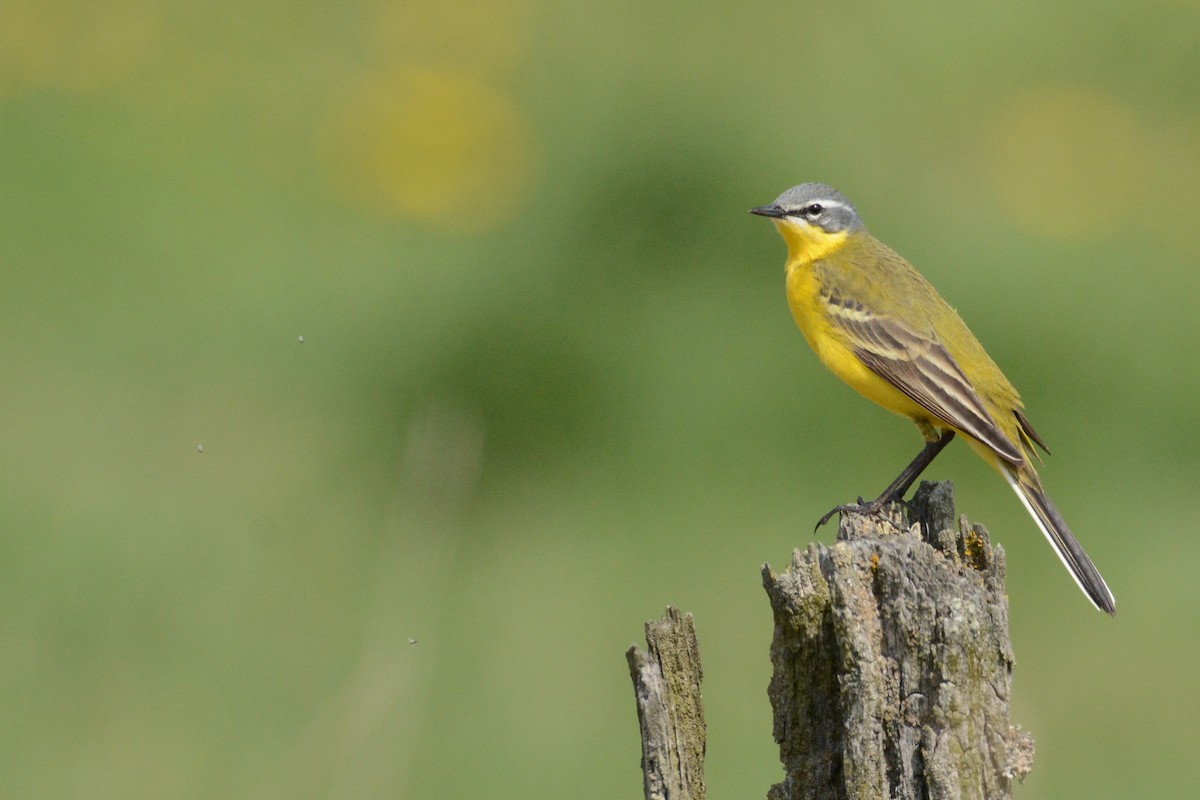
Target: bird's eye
{"x":813,"y":211}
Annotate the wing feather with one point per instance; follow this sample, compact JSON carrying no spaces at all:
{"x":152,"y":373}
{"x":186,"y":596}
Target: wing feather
{"x":924,"y":370}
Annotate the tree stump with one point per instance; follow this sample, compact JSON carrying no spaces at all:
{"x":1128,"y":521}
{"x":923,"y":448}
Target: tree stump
{"x":892,"y":662}
{"x":666,"y":682}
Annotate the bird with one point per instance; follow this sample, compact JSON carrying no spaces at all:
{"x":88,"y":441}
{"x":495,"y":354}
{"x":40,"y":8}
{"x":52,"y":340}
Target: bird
{"x":881,"y":327}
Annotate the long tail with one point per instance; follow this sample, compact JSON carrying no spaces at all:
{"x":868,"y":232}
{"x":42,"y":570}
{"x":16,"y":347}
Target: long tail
{"x":1028,"y":487}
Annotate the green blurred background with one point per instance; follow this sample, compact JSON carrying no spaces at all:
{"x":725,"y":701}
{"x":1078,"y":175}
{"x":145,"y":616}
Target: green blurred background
{"x":329,"y":328}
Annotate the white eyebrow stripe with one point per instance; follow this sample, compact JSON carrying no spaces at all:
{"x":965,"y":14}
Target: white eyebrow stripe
{"x":824,"y":203}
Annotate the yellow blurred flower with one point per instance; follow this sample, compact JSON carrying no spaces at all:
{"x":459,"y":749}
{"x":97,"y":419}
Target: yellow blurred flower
{"x":440,"y":146}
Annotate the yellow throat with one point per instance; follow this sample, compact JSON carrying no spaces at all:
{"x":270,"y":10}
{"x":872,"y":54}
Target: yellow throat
{"x":807,"y":243}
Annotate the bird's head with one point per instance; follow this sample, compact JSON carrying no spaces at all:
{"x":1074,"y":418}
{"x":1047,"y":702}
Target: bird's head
{"x":814,"y":219}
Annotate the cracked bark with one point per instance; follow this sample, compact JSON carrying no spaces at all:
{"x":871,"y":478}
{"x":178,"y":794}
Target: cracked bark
{"x":892,"y":663}
{"x":666,"y":681}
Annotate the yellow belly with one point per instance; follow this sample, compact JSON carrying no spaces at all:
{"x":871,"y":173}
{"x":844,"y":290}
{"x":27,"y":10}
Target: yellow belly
{"x":835,"y":353}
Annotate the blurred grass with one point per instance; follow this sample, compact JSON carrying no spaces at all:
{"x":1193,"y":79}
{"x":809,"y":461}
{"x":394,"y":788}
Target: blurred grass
{"x":548,"y":382}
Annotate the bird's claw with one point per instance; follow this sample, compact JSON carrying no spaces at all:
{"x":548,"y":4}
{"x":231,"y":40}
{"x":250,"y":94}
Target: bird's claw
{"x":871,"y":509}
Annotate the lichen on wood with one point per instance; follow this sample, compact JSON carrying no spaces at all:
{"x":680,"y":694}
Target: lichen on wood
{"x":892,"y":662}
{"x":666,"y":681}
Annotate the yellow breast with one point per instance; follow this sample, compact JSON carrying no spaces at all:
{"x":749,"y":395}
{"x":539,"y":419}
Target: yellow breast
{"x":806,"y":299}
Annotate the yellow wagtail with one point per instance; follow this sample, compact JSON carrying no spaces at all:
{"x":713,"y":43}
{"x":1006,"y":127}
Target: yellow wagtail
{"x":877,"y":324}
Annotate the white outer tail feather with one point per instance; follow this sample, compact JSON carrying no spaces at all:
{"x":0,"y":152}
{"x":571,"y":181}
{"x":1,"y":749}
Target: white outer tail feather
{"x":1011,"y":477}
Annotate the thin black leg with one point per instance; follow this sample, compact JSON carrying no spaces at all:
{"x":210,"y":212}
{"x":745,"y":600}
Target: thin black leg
{"x":898,"y":487}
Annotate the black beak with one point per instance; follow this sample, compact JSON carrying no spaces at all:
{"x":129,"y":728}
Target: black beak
{"x":769,"y":211}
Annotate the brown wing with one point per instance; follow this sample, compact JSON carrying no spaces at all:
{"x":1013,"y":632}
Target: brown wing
{"x":924,"y":370}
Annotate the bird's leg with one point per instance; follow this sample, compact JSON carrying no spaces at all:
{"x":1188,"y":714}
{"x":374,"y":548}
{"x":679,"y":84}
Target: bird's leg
{"x":899,"y":487}
{"x":904,"y":480}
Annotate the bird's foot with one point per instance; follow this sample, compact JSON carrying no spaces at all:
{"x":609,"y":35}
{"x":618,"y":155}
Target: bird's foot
{"x":872,"y":509}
